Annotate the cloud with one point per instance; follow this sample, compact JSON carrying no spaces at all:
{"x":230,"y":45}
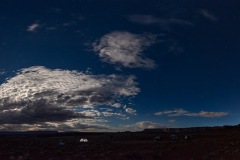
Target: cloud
{"x":96,"y":113}
{"x":75,"y":125}
{"x":68,"y":24}
{"x":175,"y":48}
{"x":148,"y":124}
{"x":33,"y":27}
{"x":51,"y":28}
{"x":125,"y":49}
{"x":117,"y":105}
{"x":181,"y":112}
{"x":37,"y":111}
{"x":131,"y":111}
{"x":175,"y":112}
{"x":65,"y":126}
{"x":139,"y":126}
{"x":144,"y":19}
{"x":208,"y":114}
{"x":172,"y":121}
{"x":38,"y":95}
{"x":152,"y":20}
{"x":208,"y":15}
{"x":2,"y":72}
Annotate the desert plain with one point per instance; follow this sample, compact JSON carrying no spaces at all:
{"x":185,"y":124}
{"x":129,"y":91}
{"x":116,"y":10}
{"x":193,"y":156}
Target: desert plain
{"x":210,"y":144}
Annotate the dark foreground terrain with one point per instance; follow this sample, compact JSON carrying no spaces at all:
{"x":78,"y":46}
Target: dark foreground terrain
{"x":219,"y":144}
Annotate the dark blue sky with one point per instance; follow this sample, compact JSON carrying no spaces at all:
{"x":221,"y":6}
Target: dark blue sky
{"x":119,"y":64}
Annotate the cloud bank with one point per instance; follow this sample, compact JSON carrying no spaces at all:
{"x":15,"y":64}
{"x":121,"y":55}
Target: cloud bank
{"x":182,"y":112}
{"x":38,"y":95}
{"x":125,"y":49}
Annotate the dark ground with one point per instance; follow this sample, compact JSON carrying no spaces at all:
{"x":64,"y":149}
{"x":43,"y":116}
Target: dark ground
{"x":221,"y":144}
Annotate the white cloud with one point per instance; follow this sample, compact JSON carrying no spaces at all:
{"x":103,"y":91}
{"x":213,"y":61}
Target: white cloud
{"x":208,"y":15}
{"x":117,"y":105}
{"x":150,"y":20}
{"x":131,"y":111}
{"x":92,"y":113}
{"x":33,"y":27}
{"x":39,"y":95}
{"x":148,"y":124}
{"x":181,"y":112}
{"x":139,"y":126}
{"x":125,"y":49}
{"x":96,"y":113}
{"x":70,"y":88}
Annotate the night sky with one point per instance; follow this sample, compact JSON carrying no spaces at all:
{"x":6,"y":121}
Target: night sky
{"x":117,"y":65}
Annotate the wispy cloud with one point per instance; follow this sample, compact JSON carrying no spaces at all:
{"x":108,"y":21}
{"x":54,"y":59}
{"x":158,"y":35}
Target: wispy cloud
{"x":150,"y":20}
{"x":172,"y":121}
{"x":73,"y":125}
{"x":33,"y":27}
{"x":144,"y":19}
{"x":174,"y":112}
{"x":208,"y":15}
{"x":182,"y":112}
{"x":2,"y":72}
{"x":148,"y":124}
{"x":38,"y":95}
{"x":51,"y":28}
{"x":175,"y":48}
{"x":208,"y":114}
{"x":139,"y":126}
{"x":125,"y":49}
{"x":97,"y":113}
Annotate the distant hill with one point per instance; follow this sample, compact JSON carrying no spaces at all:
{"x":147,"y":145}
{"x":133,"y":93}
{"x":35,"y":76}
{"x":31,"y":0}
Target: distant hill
{"x":190,"y":129}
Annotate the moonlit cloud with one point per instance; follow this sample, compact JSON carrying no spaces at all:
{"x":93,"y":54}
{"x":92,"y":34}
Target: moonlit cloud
{"x":33,"y":27}
{"x":108,"y":113}
{"x":144,"y":19}
{"x":125,"y":49}
{"x":208,"y":114}
{"x":150,"y":20}
{"x":175,"y":112}
{"x":64,"y":126}
{"x":2,"y":72}
{"x":38,"y":95}
{"x":75,"y":125}
{"x":35,"y":112}
{"x":117,"y":105}
{"x":139,"y":126}
{"x":172,"y":121}
{"x":181,"y":112}
{"x":175,"y":48}
{"x":51,"y":28}
{"x":148,"y":124}
{"x":131,"y":111}
{"x":208,"y":15}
